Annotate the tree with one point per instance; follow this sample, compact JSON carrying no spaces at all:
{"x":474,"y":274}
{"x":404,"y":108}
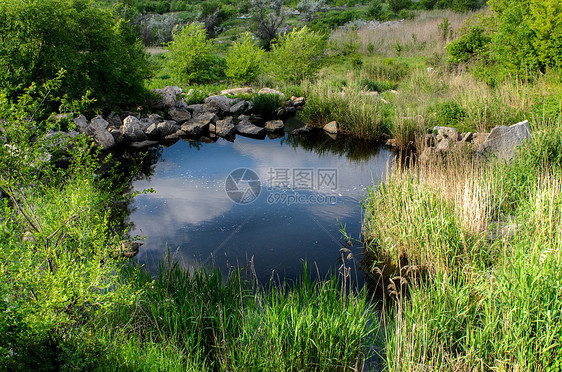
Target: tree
{"x":529,"y":34}
{"x":98,"y":52}
{"x":243,"y":62}
{"x":297,"y":55}
{"x":190,"y":56}
{"x":308,"y":8}
{"x":269,"y":18}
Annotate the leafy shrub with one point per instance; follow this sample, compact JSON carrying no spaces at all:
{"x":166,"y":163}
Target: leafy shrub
{"x":243,"y":62}
{"x":191,"y":59}
{"x":398,"y":5}
{"x":449,"y":113}
{"x":99,"y":53}
{"x":60,"y":268}
{"x":468,"y":46}
{"x":374,"y":10}
{"x":529,"y":34}
{"x":332,"y":19}
{"x":297,"y":55}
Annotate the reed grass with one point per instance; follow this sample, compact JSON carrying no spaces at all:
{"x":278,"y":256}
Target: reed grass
{"x":491,"y":299}
{"x":203,"y":321}
{"x":356,"y":111}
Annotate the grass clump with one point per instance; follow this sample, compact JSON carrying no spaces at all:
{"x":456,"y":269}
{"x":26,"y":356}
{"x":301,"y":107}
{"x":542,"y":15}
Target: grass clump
{"x":209,"y":322}
{"x":487,"y":236}
{"x":356,"y":111}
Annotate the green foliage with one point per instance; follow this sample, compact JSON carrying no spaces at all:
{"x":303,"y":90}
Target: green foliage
{"x":529,"y":36}
{"x":244,"y":60}
{"x":204,"y":321}
{"x":470,"y":45}
{"x":266,"y":104}
{"x":449,"y":113}
{"x":297,"y":55}
{"x":190,"y":56}
{"x":357,"y":113}
{"x":374,"y":10}
{"x":378,"y":86}
{"x":99,"y":53}
{"x":59,"y":263}
{"x":329,"y":20}
{"x":398,"y":5}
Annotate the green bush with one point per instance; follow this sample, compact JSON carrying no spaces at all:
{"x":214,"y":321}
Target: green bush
{"x":99,"y":53}
{"x":398,"y":5}
{"x":244,"y":60}
{"x":529,"y":34}
{"x":449,"y":113}
{"x":59,"y":265}
{"x":468,"y":46}
{"x":297,"y":55}
{"x":191,"y":58}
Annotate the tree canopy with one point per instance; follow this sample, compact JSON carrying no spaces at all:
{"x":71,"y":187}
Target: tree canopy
{"x":99,"y":52}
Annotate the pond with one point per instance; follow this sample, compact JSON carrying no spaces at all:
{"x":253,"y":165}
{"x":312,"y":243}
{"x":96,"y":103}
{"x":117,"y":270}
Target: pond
{"x":264,"y":205}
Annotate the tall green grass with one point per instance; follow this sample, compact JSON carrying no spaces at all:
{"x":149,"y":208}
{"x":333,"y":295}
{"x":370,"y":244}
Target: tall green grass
{"x":356,"y":112}
{"x":203,"y":321}
{"x":490,"y":236}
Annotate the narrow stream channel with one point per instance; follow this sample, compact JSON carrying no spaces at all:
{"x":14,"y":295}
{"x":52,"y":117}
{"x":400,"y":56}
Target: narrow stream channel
{"x":267,"y":204}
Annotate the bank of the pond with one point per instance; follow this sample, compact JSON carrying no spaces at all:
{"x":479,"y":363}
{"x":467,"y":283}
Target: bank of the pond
{"x":470,"y":253}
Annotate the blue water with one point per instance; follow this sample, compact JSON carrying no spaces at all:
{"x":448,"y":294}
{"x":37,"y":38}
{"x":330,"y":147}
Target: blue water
{"x":309,"y":187}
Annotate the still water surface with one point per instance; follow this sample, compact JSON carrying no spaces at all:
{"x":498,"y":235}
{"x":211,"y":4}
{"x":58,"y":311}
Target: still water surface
{"x":296,"y":217}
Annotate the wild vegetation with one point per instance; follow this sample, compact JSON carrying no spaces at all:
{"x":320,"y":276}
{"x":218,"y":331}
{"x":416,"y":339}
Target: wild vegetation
{"x":466,"y":253}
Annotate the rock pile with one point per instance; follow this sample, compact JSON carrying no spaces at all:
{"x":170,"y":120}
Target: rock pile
{"x":217,"y":116}
{"x":501,"y":142}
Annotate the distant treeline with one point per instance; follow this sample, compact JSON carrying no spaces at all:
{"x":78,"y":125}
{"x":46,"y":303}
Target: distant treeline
{"x":165,"y":6}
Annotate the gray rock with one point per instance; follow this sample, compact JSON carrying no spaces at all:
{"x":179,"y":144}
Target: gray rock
{"x":114,"y":120}
{"x":143,"y":144}
{"x":167,"y":97}
{"x":290,"y":111}
{"x":179,"y":115}
{"x":448,"y":132}
{"x":236,"y":91}
{"x":271,"y":91}
{"x":98,"y":130}
{"x":152,"y":131}
{"x":195,"y":109}
{"x":211,"y":107}
{"x":117,"y":135}
{"x":467,"y":137}
{"x":274,"y":125}
{"x":175,"y":136}
{"x":167,"y":127}
{"x":302,"y":130}
{"x":132,"y":130}
{"x":332,"y":127}
{"x":147,"y":122}
{"x":444,"y":145}
{"x":250,"y":130}
{"x":224,"y":127}
{"x":479,"y":138}
{"x":223,"y":103}
{"x":298,"y":101}
{"x":239,"y":107}
{"x":81,"y":124}
{"x":199,"y":123}
{"x":429,"y":140}
{"x":503,"y":141}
